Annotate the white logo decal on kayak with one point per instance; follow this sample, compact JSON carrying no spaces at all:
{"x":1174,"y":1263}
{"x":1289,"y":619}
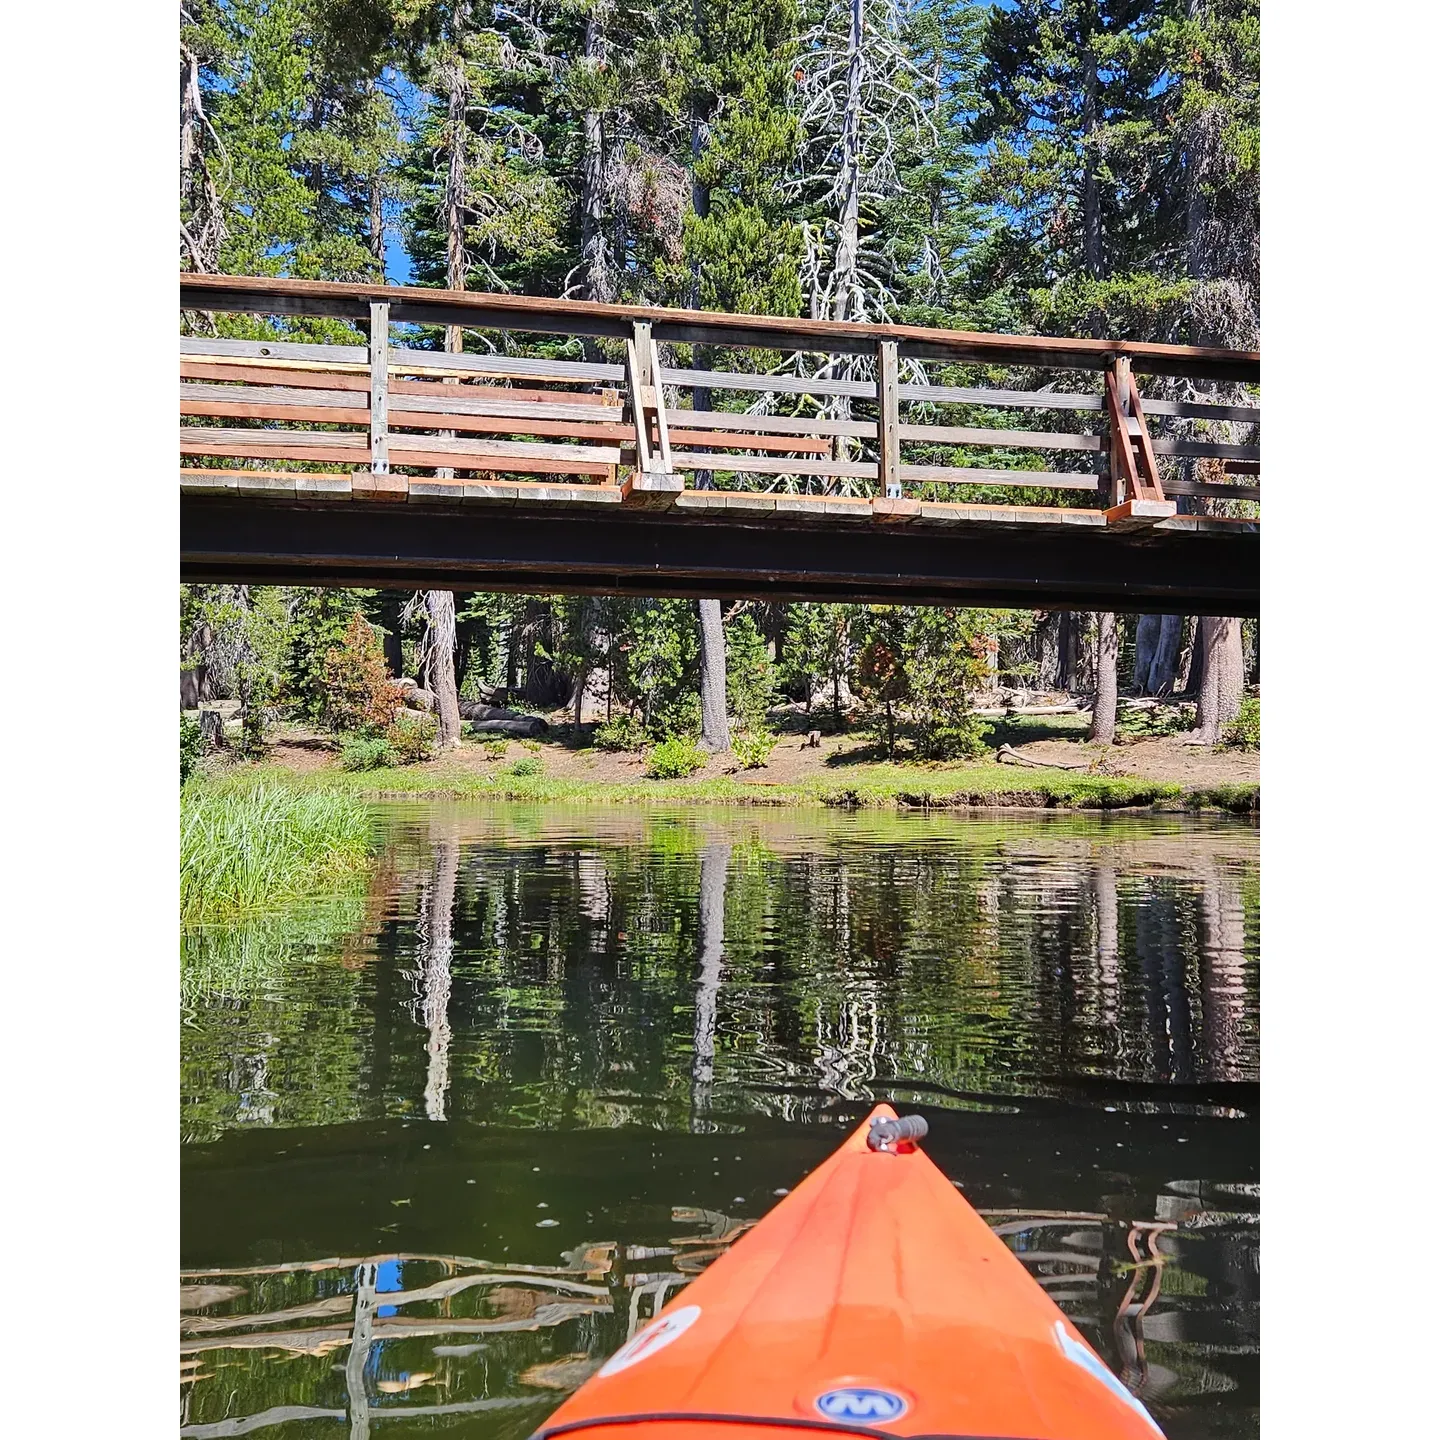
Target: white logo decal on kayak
{"x":1087,"y":1359}
{"x":861,"y":1402}
{"x":654,"y":1337}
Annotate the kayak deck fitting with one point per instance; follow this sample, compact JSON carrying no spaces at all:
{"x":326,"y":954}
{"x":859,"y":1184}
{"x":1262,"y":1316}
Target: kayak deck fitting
{"x":873,"y":1301}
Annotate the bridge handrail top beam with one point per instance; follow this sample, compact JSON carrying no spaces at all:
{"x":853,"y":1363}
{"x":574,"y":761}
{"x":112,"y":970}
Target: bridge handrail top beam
{"x":411,"y":304}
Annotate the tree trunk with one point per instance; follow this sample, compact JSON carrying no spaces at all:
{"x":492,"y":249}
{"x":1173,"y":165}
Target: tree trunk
{"x":1090,"y":199}
{"x":594,"y":251}
{"x":436,"y":948}
{"x":846,"y":279}
{"x":1107,"y":653}
{"x":714,"y":866}
{"x":1161,"y":679}
{"x":440,"y":607}
{"x":1147,"y":632}
{"x":1221,"y":678}
{"x":714,"y":723}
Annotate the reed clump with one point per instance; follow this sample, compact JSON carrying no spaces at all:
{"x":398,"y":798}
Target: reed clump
{"x":250,"y":848}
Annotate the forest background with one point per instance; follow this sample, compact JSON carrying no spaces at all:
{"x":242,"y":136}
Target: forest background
{"x":1065,"y":166}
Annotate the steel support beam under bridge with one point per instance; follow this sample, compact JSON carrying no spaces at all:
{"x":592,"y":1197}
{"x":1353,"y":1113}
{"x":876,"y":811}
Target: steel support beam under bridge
{"x":411,"y":546}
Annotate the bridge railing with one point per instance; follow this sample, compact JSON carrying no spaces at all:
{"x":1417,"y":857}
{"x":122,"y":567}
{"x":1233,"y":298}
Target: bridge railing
{"x":854,"y":416}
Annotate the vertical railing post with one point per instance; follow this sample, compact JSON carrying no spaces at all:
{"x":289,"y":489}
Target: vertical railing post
{"x":654,"y":483}
{"x":379,"y":387}
{"x":887,"y":394}
{"x":1117,"y":385}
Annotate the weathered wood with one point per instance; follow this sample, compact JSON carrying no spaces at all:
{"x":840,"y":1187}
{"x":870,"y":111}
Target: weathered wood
{"x":1139,"y":513}
{"x":1124,"y":474}
{"x":379,"y":388}
{"x":783,"y":444}
{"x":264,"y":1420}
{"x":1019,"y":439}
{"x":1030,"y":479}
{"x":527,"y":313}
{"x":887,"y":390}
{"x":764,"y":465}
{"x":1214,"y":491}
{"x":1149,"y":470}
{"x":327,"y":444}
{"x":769,"y":384}
{"x":767,"y":424}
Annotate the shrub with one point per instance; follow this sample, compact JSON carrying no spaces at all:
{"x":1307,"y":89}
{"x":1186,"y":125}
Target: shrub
{"x":533,"y":746}
{"x":528,"y":765}
{"x":752,"y":748}
{"x":412,"y":737}
{"x":962,"y":741}
{"x":624,"y":732}
{"x":358,"y":693}
{"x":366,"y":752}
{"x":674,"y":759}
{"x":192,"y":746}
{"x":495,"y":749}
{"x":1243,"y":732}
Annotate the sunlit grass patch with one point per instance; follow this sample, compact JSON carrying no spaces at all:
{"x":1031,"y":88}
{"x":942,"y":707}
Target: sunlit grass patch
{"x":251,"y":847}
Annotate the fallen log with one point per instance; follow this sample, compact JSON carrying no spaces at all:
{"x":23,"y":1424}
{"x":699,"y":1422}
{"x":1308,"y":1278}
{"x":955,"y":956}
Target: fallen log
{"x":1005,"y":755}
{"x":521,"y":727}
{"x":481,"y":710}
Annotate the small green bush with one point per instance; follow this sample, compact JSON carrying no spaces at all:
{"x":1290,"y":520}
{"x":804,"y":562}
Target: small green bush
{"x":952,"y":742}
{"x":752,"y":748}
{"x":366,"y":752}
{"x":192,"y":746}
{"x":1243,"y":732}
{"x":412,"y":738}
{"x":674,"y":759}
{"x":624,"y":732}
{"x":495,"y":749}
{"x":528,"y":765}
{"x":533,"y":746}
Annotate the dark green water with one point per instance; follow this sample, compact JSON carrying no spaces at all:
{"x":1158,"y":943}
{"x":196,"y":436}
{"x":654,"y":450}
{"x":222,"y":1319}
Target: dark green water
{"x":551,"y":1062}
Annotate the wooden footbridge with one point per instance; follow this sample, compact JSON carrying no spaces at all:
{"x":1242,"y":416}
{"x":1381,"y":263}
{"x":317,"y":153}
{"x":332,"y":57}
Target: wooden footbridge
{"x":578,"y":447}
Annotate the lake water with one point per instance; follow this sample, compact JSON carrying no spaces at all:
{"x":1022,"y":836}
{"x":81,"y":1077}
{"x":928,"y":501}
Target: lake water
{"x":449,"y":1138}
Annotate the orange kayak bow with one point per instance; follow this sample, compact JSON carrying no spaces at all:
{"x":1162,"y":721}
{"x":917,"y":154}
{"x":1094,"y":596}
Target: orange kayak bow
{"x":871,"y":1301}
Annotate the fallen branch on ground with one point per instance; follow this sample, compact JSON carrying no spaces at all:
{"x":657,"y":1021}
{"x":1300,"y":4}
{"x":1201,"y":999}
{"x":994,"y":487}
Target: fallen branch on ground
{"x":1005,"y":755}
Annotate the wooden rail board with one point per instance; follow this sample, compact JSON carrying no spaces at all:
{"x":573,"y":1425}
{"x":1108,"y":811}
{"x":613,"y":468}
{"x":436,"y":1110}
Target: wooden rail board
{"x":295,"y":375}
{"x":535,"y":314}
{"x":1029,"y":479}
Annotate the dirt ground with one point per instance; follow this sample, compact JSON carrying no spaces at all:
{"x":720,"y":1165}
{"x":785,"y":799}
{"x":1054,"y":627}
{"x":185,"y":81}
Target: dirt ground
{"x":1167,"y":759}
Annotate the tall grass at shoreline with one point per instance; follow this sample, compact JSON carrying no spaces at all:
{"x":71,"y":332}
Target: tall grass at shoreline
{"x":245,"y":848}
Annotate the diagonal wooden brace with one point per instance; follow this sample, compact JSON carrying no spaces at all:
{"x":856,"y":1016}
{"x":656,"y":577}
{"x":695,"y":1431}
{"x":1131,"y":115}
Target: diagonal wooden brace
{"x":1138,"y":500}
{"x":654,"y":483}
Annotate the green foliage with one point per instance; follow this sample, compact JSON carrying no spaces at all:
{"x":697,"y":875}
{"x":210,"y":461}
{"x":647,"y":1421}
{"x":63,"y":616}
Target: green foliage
{"x":192,"y":746}
{"x":674,"y":759}
{"x":247,"y":847}
{"x":749,"y":673}
{"x":412,"y":737}
{"x":1158,"y":720}
{"x":527,"y":765}
{"x":1243,"y":732}
{"x":961,"y":740}
{"x":317,"y":622}
{"x":623,"y":732}
{"x":366,"y":752}
{"x":495,"y":749}
{"x":752,"y":748}
{"x":357,"y":691}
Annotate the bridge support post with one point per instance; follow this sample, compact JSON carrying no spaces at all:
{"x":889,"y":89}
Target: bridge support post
{"x":887,"y":393}
{"x":379,"y":387}
{"x":653,"y":484}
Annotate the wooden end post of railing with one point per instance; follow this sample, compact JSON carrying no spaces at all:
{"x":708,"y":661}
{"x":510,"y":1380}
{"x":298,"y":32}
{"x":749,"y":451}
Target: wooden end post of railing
{"x":887,"y":394}
{"x":1136,"y":499}
{"x":653,"y":484}
{"x":379,"y":388}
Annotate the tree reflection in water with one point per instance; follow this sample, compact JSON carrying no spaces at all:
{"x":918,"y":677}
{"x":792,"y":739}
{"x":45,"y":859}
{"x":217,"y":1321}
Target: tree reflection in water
{"x":539,"y":1027}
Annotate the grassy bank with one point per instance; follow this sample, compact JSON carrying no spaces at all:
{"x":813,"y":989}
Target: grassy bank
{"x":251,"y":842}
{"x":861,"y":787}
